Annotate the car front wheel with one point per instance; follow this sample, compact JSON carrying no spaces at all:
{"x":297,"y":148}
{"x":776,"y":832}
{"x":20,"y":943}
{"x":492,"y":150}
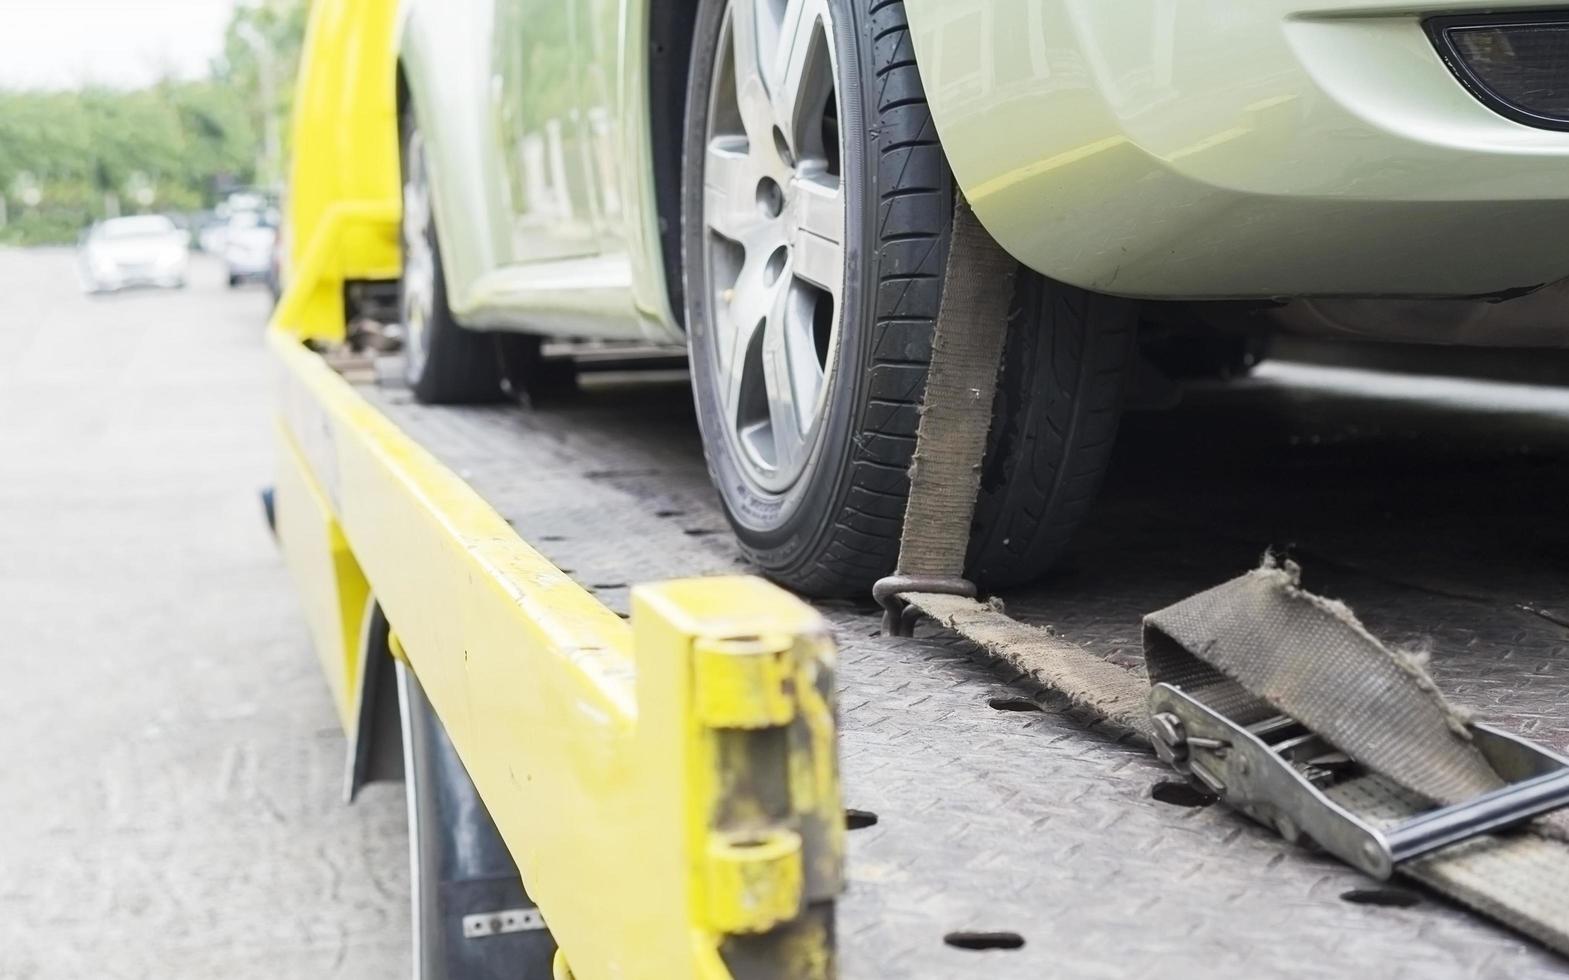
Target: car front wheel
{"x":817,"y":206}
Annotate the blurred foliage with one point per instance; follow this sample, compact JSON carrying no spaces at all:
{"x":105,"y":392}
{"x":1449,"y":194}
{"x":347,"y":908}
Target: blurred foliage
{"x":68,"y":158}
{"x":261,"y":57}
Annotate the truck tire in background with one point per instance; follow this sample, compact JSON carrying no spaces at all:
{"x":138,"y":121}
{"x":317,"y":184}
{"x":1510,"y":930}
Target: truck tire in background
{"x":831,"y":524}
{"x":459,"y":867}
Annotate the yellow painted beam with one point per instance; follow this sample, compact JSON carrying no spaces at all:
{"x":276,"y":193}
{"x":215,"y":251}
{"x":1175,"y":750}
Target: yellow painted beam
{"x":344,"y":196}
{"x":329,"y":580}
{"x":666,"y":787}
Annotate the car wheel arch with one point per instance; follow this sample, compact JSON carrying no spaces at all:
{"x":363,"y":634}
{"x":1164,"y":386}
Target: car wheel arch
{"x":669,"y":38}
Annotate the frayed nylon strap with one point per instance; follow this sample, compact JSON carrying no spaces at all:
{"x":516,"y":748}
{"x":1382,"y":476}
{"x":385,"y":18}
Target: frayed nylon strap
{"x":956,"y":413}
{"x":1260,"y":644}
{"x":1310,"y":658}
{"x":1110,"y":692}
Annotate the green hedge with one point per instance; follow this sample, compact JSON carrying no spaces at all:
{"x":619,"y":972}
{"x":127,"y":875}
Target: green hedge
{"x":85,"y":152}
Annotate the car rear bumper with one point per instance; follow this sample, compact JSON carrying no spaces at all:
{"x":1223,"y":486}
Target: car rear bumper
{"x":248,"y":269}
{"x":1215,"y":150}
{"x":107,"y":282}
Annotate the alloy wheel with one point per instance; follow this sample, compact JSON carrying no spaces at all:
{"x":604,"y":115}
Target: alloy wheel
{"x":417,"y":297}
{"x":774,"y":216}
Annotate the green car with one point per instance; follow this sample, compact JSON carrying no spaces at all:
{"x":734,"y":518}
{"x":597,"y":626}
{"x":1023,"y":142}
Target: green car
{"x":770,"y":184}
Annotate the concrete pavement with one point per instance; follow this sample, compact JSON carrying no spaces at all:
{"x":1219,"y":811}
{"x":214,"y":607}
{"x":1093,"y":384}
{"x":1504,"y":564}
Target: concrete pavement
{"x":170,"y":790}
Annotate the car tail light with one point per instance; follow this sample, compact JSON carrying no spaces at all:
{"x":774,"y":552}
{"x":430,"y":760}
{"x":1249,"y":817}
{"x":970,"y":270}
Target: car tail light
{"x":1517,"y":64}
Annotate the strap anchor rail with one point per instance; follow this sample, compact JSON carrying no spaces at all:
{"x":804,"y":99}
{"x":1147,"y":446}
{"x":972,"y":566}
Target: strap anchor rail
{"x":899,"y":616}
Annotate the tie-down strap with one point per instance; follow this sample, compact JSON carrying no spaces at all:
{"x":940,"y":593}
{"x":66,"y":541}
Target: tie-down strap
{"x":1259,"y":651}
{"x":1095,"y":685}
{"x":956,"y":416}
{"x":956,"y":412}
{"x":1277,"y":699}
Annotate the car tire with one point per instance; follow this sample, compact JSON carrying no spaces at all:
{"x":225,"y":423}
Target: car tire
{"x":835,"y":529}
{"x":1069,"y":358}
{"x":445,"y":363}
{"x":234,"y":281}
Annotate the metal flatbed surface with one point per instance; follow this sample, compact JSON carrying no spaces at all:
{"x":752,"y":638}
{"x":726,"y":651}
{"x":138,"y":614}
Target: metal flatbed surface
{"x":1431,"y":506}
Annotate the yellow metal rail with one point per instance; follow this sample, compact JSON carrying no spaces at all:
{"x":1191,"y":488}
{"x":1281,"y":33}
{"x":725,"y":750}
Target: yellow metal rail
{"x":668,"y":788}
{"x":345,"y":195}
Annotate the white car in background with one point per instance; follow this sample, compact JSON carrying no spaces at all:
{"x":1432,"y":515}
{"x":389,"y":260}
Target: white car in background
{"x":248,"y":247}
{"x":209,"y":238}
{"x":143,"y":250}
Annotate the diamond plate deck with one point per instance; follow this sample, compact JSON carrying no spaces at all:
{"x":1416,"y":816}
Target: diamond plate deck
{"x":1431,"y":506}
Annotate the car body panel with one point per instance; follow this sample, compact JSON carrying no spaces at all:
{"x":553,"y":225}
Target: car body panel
{"x":535,"y":113}
{"x":1207,"y":148}
{"x":1148,"y":148}
{"x":1535,"y":319}
{"x":443,"y":53}
{"x":617,"y":99}
{"x":534,"y":116}
{"x":606,"y":113}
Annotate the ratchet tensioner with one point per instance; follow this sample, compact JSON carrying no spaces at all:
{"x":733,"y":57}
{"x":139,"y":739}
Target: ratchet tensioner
{"x":1280,"y":774}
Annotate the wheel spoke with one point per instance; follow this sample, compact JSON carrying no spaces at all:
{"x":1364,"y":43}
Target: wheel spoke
{"x":799,"y":78}
{"x":413,"y":282}
{"x":753,"y":297}
{"x":774,"y":219}
{"x":745,"y":307}
{"x":416,"y":197}
{"x":415,"y":217}
{"x":418,"y":287}
{"x":784,"y":408}
{"x":736,"y":381}
{"x":729,"y":188}
{"x":818,"y":238}
{"x":745,"y":19}
{"x":748,"y":20}
{"x":806,"y":371}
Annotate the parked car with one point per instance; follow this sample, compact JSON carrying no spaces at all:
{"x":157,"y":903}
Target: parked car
{"x":210,"y":233}
{"x":248,"y":245}
{"x":143,"y":250}
{"x":277,"y":264}
{"x":772,"y":185}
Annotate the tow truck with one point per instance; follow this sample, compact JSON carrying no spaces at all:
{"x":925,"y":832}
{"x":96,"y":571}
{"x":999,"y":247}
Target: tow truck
{"x":627,"y":757}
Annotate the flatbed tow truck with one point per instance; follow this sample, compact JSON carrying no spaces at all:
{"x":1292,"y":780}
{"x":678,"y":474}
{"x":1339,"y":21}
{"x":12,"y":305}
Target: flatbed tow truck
{"x":697,"y":774}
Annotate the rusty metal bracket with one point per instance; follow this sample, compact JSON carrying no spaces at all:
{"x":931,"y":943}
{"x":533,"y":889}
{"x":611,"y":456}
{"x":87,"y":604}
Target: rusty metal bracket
{"x":899,"y":616}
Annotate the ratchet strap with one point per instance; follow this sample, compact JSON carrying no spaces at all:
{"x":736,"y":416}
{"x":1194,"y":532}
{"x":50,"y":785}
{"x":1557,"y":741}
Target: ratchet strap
{"x":1275,"y":699}
{"x":1259,"y":647}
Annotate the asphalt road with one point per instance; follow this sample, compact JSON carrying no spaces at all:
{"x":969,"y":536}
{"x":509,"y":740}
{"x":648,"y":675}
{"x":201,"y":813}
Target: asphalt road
{"x":170,"y":791}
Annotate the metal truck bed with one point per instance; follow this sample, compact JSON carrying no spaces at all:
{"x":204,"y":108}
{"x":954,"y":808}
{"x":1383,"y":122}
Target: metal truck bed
{"x":1431,"y":506}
